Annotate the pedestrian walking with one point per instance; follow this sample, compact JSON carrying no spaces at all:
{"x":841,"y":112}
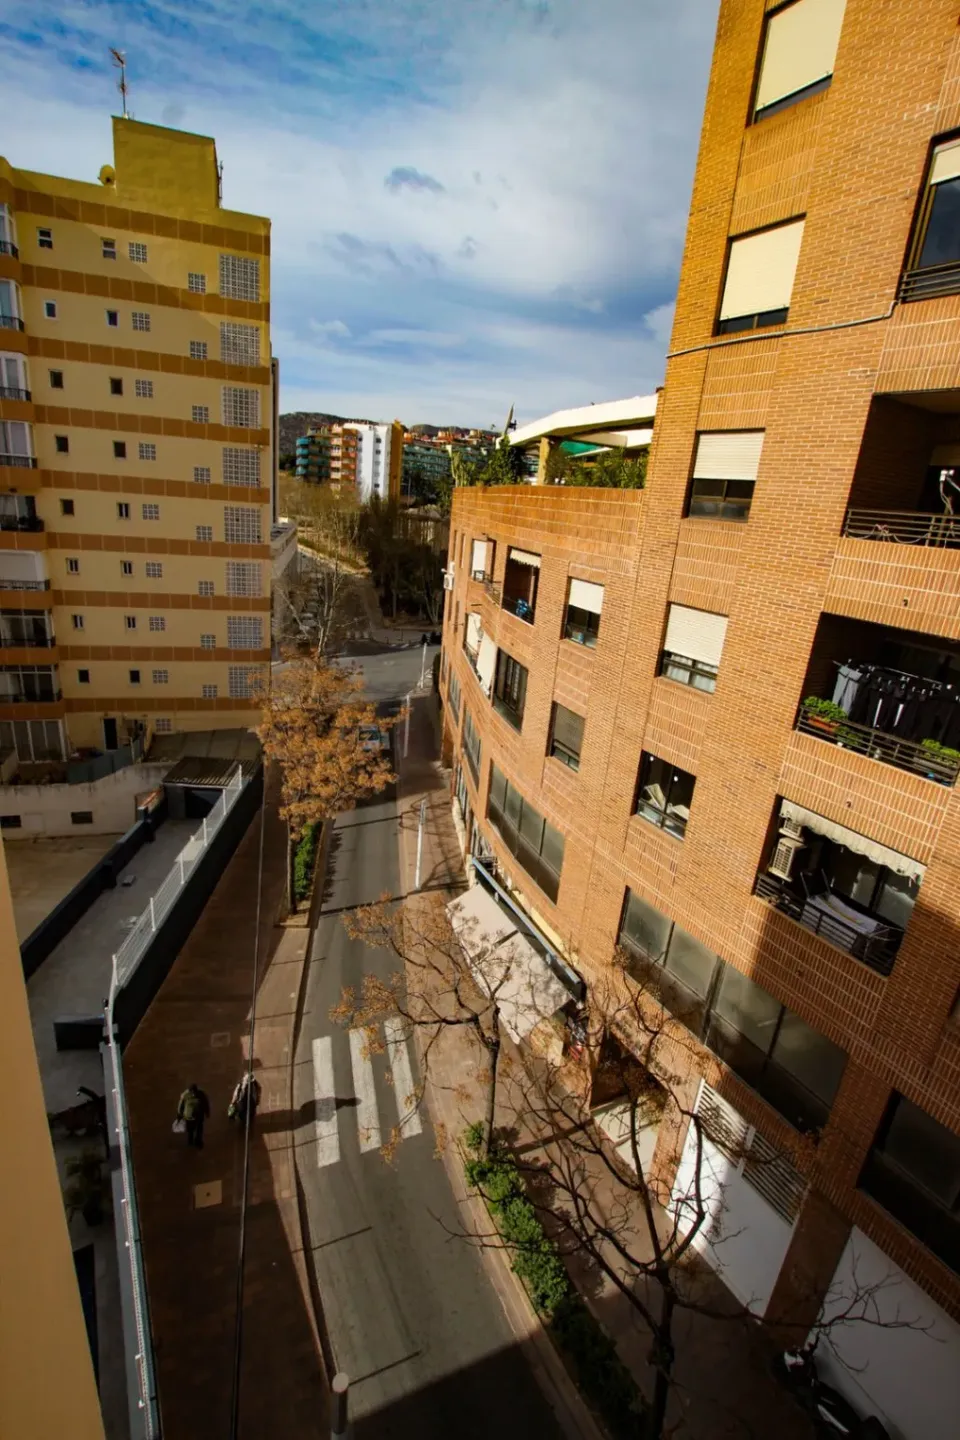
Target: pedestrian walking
{"x":246,"y":1096}
{"x":193,"y":1110}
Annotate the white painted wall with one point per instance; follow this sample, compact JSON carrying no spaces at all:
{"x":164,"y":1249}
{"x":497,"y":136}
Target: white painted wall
{"x":45,"y":809}
{"x":373,"y":461}
{"x":909,"y":1377}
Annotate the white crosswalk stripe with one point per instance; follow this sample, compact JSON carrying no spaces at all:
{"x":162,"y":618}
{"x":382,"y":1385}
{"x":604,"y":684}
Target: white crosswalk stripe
{"x":368,"y":1117}
{"x":324,"y":1093}
{"x":331,"y":1112}
{"x":402,"y":1078}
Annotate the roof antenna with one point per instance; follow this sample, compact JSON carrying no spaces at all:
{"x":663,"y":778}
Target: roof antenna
{"x":120,"y":61}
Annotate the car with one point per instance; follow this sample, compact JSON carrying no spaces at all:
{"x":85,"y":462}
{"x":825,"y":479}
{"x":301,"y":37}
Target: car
{"x":373,"y":739}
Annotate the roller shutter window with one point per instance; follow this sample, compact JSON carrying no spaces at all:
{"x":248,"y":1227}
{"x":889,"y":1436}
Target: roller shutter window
{"x":800,"y":47}
{"x":724,"y":474}
{"x":584,"y":607}
{"x":474,"y":634}
{"x":760,"y":275}
{"x":692,"y":646}
{"x":478,"y":558}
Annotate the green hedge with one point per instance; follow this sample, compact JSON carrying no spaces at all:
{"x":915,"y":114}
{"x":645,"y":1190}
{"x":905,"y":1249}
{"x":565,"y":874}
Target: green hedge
{"x":304,"y":859}
{"x":589,"y":1351}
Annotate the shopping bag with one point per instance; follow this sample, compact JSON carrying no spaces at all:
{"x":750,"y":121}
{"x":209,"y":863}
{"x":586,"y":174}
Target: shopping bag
{"x":179,"y":1126}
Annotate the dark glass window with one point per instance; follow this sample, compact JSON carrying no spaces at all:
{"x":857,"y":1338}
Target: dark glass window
{"x":941,"y":242}
{"x":643,"y":928}
{"x":62,"y":443}
{"x":56,"y":379}
{"x":510,"y":689}
{"x":535,"y":843}
{"x":913,"y":1171}
{"x":81,"y":817}
{"x":453,"y":694}
{"x":664,"y":794}
{"x":582,"y":626}
{"x":721,"y":499}
{"x":471,"y":746}
{"x":566,"y":736}
{"x":119,"y":449}
{"x":116,"y":385}
{"x":695,"y":673}
{"x":66,"y":507}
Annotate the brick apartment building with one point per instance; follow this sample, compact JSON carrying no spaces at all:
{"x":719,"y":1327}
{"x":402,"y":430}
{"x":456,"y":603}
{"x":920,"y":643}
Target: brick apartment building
{"x":623,"y":687}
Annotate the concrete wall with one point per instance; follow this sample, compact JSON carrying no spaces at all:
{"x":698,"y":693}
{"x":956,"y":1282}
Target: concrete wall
{"x":46,"y":809}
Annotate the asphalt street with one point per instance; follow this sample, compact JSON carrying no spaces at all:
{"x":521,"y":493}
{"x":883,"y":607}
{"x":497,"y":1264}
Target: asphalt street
{"x":410,"y":1313}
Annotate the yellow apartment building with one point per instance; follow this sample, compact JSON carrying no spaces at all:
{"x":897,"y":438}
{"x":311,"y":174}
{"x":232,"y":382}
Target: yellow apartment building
{"x":137,"y":474}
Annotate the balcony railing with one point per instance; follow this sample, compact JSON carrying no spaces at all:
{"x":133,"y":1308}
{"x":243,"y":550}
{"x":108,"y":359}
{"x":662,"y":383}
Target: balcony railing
{"x":26,"y":642}
{"x":482,"y":578}
{"x":20,"y":699}
{"x":7,"y":247}
{"x":22,"y":462}
{"x":891,"y":749}
{"x":11,"y":322}
{"x":931,"y":281}
{"x":877,"y":949}
{"x":10,"y":392}
{"x":20,"y":522}
{"x":904,"y":527}
{"x":24,"y":584}
{"x":519,"y":607}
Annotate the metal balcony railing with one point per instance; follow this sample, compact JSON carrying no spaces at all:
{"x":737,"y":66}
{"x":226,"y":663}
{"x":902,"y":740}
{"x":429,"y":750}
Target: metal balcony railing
{"x":906,"y":755}
{"x":904,"y":527}
{"x":20,"y":522}
{"x":7,"y":247}
{"x":11,"y":322}
{"x":24,"y":584}
{"x":10,"y":392}
{"x":21,"y":462}
{"x":26,"y":642}
{"x":877,"y":950}
{"x":20,"y":699}
{"x":520,"y":607}
{"x":931,"y":281}
{"x":482,"y":578}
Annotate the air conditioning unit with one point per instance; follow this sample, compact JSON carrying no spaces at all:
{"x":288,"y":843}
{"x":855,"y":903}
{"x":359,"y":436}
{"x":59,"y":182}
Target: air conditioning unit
{"x":448,"y":579}
{"x":790,"y":842}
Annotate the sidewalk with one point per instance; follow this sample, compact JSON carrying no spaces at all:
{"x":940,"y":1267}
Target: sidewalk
{"x":724,"y":1387}
{"x":190,"y":1201}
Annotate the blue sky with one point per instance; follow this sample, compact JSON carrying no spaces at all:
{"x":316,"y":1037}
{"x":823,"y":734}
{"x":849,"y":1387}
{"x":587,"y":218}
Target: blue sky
{"x":475,"y":203}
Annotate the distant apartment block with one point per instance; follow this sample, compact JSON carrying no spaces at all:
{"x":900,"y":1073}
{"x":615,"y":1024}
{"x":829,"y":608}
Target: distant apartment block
{"x":379,"y":460}
{"x":313,"y":457}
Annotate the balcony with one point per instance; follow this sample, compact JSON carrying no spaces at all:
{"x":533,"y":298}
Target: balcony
{"x":926,"y":757}
{"x":21,"y":522}
{"x":904,"y":527}
{"x":24,"y":584}
{"x":815,"y":913}
{"x":26,"y":642}
{"x":20,"y":697}
{"x":521,"y":579}
{"x":9,"y":392}
{"x":11,"y":322}
{"x":23,"y":462}
{"x":7,"y":247}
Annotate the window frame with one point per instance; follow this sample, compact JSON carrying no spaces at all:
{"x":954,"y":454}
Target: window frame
{"x":670,"y":823}
{"x":508,"y":692}
{"x":556,"y":750}
{"x":590,"y":629}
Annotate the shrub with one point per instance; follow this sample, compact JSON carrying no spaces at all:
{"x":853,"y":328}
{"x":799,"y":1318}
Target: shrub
{"x":304,"y":859}
{"x":823,"y":709}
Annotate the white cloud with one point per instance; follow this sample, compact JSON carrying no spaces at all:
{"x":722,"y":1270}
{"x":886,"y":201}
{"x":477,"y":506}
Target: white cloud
{"x":335,"y":329}
{"x":660,"y":322}
{"x":432,"y":339}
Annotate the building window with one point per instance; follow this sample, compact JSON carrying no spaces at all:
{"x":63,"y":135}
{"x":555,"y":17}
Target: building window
{"x":10,"y":822}
{"x":161,"y":677}
{"x":239,"y":344}
{"x":205,"y":587}
{"x":196,"y":283}
{"x":201,"y":474}
{"x":163,"y":725}
{"x":44,"y":238}
{"x":50,"y":309}
{"x":239,"y":277}
{"x":62,"y":444}
{"x":241,"y":680}
{"x":113,"y":318}
{"x":126,"y":567}
{"x":581,"y":621}
{"x":245,"y":632}
{"x":240,"y":407}
{"x":725,"y":473}
{"x":130,"y":621}
{"x":116,"y":385}
{"x":123,"y":509}
{"x":209,"y":692}
{"x":143,"y":389}
{"x":205,"y":533}
{"x":759,"y":279}
{"x":692,"y":647}
{"x":108,"y":249}
{"x":198,"y":349}
{"x":140,"y":320}
{"x":510,"y":689}
{"x":147,"y":450}
{"x":56,"y":379}
{"x":244,"y":578}
{"x":934,"y":264}
{"x":913,"y":1171}
{"x":119,"y":449}
{"x":81,"y":817}
{"x":208,"y":642}
{"x":77,"y":622}
{"x":453,"y":695}
{"x":137,"y":252}
{"x":792,"y":1066}
{"x":471,"y":746}
{"x":150,"y":511}
{"x":799,"y":49}
{"x":240,"y":466}
{"x":200,"y":414}
{"x":241,"y":525}
{"x":154,"y":570}
{"x":157,"y":622}
{"x":565,"y":740}
{"x":535,"y":843}
{"x":664,"y":794}
{"x":134,"y":677}
{"x":73,"y":566}
{"x":67,"y":507}
{"x":83,"y":677}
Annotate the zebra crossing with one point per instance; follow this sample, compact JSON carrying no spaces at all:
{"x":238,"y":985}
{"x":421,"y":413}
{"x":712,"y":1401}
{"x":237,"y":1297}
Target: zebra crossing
{"x":362,"y":1108}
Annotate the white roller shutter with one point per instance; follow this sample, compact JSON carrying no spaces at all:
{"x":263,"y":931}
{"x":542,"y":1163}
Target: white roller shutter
{"x":761,"y":270}
{"x":479,"y":558}
{"x":800,"y":49}
{"x":586,"y":596}
{"x":946,"y":163}
{"x":474,"y":633}
{"x":728,"y":455}
{"x":696,"y":634}
{"x":524,"y":557}
{"x":486,"y":663}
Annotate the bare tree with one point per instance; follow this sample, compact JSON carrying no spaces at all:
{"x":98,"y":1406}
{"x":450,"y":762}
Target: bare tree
{"x":318,"y":602}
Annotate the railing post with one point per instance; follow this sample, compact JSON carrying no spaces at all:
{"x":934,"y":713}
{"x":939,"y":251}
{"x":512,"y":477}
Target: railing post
{"x":153,"y":917}
{"x":204,"y":832}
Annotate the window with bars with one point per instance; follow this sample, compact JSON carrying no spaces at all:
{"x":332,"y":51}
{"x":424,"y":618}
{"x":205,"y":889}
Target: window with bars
{"x":73,"y":566}
{"x":130,"y":622}
{"x":239,"y":344}
{"x":205,"y":532}
{"x":123,"y":509}
{"x":140,"y":320}
{"x":108,"y":249}
{"x":198,"y":349}
{"x":161,"y":677}
{"x":44,"y":237}
{"x":208,"y":642}
{"x":157,"y":622}
{"x":208,"y":692}
{"x":241,"y":680}
{"x":205,"y":588}
{"x":147,"y":450}
{"x":196,"y":283}
{"x":77,"y":621}
{"x":241,"y":407}
{"x":154,"y":569}
{"x":200,"y":414}
{"x":241,"y":466}
{"x":163,"y":725}
{"x":245,"y":632}
{"x":201,"y":474}
{"x":137,"y":252}
{"x":241,"y":525}
{"x":150,"y":511}
{"x":239,"y":277}
{"x":244,"y":578}
{"x":126,"y":567}
{"x":143,"y":389}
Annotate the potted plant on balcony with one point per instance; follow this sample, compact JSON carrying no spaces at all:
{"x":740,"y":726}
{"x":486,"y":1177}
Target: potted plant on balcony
{"x":823,"y":715}
{"x":947,"y":762}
